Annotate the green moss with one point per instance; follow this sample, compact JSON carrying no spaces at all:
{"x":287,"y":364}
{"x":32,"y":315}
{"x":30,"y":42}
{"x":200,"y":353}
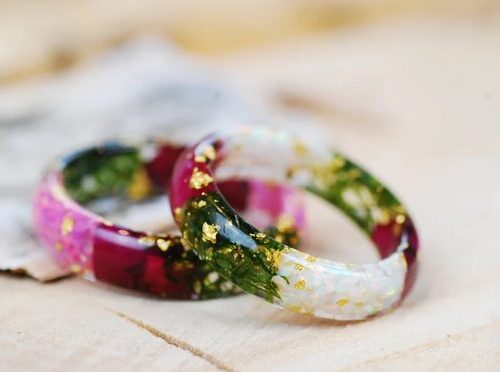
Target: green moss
{"x":100,"y":173}
{"x":237,"y":254}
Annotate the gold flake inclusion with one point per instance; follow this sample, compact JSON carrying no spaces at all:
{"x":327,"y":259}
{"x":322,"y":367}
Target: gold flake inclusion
{"x":199,"y":179}
{"x":285,"y":223}
{"x":342,"y":302}
{"x":301,"y":284}
{"x":67,"y":225}
{"x":163,"y":244}
{"x":299,"y":267}
{"x":208,"y":153}
{"x":400,"y":218}
{"x":209,"y":232}
{"x":147,"y":240}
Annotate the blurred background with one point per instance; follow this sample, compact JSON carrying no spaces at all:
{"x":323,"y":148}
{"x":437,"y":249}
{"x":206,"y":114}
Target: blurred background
{"x":47,"y":36}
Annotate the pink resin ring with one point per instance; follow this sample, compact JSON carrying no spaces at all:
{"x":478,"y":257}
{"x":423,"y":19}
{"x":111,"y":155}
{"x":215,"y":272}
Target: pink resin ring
{"x":266,"y":267}
{"x":155,"y":263}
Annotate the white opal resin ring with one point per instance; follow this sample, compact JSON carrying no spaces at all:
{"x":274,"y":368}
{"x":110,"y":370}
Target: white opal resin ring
{"x":264,"y":266}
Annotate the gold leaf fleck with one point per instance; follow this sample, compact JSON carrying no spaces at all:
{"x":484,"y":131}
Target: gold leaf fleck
{"x":208,"y":153}
{"x":199,"y":179}
{"x":76,"y":268}
{"x":178,"y":214}
{"x":301,"y":284}
{"x":277,"y":257}
{"x":67,"y":225}
{"x":299,"y":267}
{"x":209,"y":232}
{"x":140,"y":186}
{"x":342,"y":302}
{"x":260,"y":235}
{"x":310,"y":258}
{"x":285,"y":223}
{"x":147,"y":240}
{"x":163,"y":244}
{"x":400,"y":218}
{"x":300,"y":148}
{"x":337,"y":163}
{"x":385,"y":217}
{"x":295,"y":308}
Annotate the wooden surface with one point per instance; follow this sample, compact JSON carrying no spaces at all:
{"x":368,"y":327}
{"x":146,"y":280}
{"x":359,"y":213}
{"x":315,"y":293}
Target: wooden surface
{"x":419,"y":102}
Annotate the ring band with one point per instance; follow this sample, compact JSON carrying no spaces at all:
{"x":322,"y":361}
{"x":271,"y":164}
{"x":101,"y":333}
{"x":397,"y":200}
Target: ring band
{"x":268,"y":268}
{"x":155,"y":263}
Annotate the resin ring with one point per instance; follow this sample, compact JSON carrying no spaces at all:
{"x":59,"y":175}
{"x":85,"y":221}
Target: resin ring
{"x":270,"y":269}
{"x":88,"y":243}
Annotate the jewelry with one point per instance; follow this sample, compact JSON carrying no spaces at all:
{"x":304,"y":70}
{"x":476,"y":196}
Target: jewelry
{"x":156,"y":263}
{"x":266,"y":267}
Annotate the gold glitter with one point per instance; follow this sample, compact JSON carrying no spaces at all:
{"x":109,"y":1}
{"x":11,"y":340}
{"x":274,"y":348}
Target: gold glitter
{"x":295,"y":308}
{"x":199,"y":179}
{"x":177,"y":214}
{"x":299,"y":267}
{"x":267,"y":253}
{"x":285,"y":223}
{"x":258,"y":236}
{"x":337,"y":163}
{"x":310,"y":258}
{"x":59,"y":246}
{"x":359,"y":304}
{"x":301,"y":284}
{"x":147,"y":240}
{"x":400,"y":218}
{"x":163,"y":244}
{"x":75,"y":268}
{"x":208,"y":153}
{"x":300,"y":148}
{"x":342,"y":302}
{"x":140,"y":186}
{"x":385,"y":217}
{"x":277,"y":257}
{"x":201,"y":203}
{"x":67,"y":225}
{"x":209,"y":232}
